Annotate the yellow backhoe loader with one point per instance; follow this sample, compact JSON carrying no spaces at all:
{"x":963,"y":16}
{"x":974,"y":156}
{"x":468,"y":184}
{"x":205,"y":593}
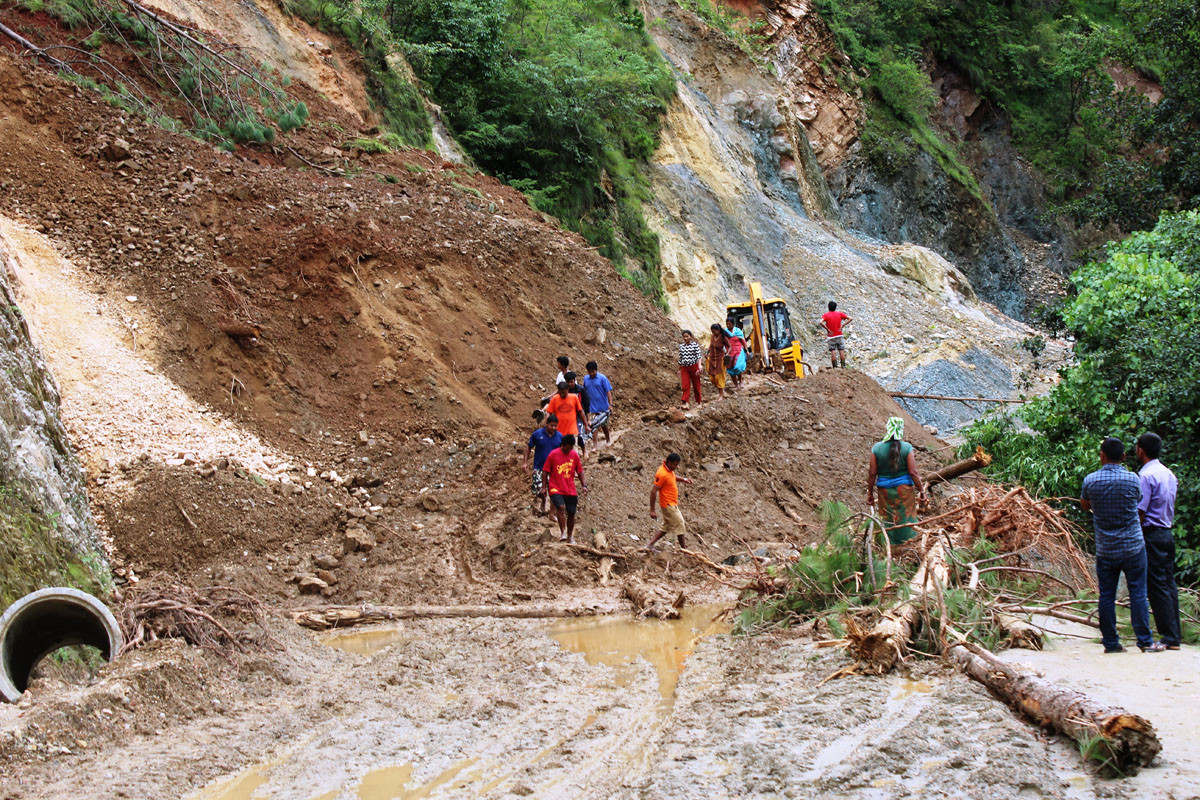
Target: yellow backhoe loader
{"x":768,"y":329}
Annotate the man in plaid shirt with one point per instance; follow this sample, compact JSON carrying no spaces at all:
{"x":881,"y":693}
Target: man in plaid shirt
{"x":1112,"y":494}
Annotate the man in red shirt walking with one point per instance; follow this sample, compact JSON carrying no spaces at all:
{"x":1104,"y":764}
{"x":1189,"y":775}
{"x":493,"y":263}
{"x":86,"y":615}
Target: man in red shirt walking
{"x":561,"y":467}
{"x":832,"y":320}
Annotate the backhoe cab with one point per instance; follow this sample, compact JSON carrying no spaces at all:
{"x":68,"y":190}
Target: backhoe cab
{"x":768,"y":329}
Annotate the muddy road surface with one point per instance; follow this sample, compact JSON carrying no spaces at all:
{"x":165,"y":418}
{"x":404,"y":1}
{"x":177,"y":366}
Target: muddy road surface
{"x":601,"y":707}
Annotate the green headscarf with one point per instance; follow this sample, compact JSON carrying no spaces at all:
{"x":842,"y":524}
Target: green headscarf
{"x":895,"y":429}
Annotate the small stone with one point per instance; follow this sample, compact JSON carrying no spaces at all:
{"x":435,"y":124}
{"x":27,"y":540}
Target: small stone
{"x":818,"y":426}
{"x":358,"y":540}
{"x":356,"y":512}
{"x":711,"y":466}
{"x":206,"y":470}
{"x":311,"y":584}
{"x":327,"y":576}
{"x":908,"y":339}
{"x":325,"y":561}
{"x":430,"y":503}
{"x":116,"y":150}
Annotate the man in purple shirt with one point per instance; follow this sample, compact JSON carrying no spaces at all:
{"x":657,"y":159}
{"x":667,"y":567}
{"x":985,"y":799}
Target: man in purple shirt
{"x":1157,"y":512}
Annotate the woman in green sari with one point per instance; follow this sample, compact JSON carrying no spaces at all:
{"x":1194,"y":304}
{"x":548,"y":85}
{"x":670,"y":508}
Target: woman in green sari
{"x":893,"y":470}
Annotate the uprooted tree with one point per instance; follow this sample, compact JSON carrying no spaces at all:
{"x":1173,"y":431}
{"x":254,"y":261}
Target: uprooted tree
{"x":978,"y":578}
{"x":219,"y":92}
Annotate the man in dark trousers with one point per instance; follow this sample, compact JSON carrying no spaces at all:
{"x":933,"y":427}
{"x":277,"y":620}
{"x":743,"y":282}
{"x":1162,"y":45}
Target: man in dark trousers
{"x":1112,"y":494}
{"x":1157,"y":511}
{"x":541,"y":443}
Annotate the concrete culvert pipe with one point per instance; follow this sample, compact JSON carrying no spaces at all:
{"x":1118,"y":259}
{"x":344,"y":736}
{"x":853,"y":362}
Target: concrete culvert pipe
{"x":42,"y":622}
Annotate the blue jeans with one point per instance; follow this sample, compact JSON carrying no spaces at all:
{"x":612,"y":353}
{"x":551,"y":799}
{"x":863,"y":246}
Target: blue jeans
{"x":1108,"y":572}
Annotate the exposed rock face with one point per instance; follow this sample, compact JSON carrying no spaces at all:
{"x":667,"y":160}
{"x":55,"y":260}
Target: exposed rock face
{"x":802,"y":47}
{"x":1009,"y":252}
{"x":47,"y":535}
{"x":739,"y":195}
{"x":922,"y":204}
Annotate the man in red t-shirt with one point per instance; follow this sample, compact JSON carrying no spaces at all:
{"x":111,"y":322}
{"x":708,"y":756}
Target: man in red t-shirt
{"x":832,"y":320}
{"x":561,"y":467}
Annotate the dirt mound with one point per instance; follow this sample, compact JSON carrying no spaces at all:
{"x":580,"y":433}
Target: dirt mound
{"x":351,"y":361}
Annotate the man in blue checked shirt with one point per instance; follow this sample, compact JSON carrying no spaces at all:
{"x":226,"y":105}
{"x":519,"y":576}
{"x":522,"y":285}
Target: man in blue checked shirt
{"x":1112,"y":494}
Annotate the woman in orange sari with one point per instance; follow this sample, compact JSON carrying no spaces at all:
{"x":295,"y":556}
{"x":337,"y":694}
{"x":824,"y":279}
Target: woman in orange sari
{"x":714,"y":361}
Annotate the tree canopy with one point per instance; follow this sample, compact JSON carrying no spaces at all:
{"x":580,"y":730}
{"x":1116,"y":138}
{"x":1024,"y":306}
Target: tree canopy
{"x":1136,"y":321}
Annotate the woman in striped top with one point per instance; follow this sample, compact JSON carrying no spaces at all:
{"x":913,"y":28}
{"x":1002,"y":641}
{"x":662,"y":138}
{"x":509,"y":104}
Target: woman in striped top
{"x":689,"y":367}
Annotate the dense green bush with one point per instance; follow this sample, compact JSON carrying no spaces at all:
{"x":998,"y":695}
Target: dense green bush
{"x":561,"y":98}
{"x":1110,"y":156}
{"x":1136,"y":319}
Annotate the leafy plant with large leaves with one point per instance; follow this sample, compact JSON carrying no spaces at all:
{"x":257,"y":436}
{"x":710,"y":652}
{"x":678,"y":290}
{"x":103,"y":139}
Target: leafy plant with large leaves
{"x":1136,"y":320}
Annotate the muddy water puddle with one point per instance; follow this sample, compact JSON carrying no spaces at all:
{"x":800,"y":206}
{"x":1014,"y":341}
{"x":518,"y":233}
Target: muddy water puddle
{"x":581,"y":723}
{"x":367,"y":641}
{"x":621,"y":642}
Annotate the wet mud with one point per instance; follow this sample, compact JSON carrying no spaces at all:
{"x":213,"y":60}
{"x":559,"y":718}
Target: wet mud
{"x":609,"y":707}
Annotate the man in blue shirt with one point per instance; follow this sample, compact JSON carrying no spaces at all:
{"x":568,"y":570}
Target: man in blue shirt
{"x":598,"y":391}
{"x":1112,"y":494}
{"x":541,"y":442}
{"x":1157,"y":510}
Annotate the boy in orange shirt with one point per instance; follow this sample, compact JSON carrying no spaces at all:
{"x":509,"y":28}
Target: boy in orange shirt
{"x":666,"y":491}
{"x":569,"y":410}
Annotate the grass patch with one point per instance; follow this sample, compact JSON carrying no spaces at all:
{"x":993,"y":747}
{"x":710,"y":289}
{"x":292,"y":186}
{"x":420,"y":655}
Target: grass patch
{"x":367,"y":146}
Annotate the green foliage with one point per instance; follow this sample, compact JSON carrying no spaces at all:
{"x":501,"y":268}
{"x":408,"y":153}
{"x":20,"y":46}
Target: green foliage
{"x":560,"y":98}
{"x":1136,"y":320}
{"x":1112,"y":156}
{"x":885,"y":39}
{"x":33,"y":555}
{"x":366,"y":146}
{"x":1157,"y":166}
{"x":391,"y":94}
{"x":824,"y":581}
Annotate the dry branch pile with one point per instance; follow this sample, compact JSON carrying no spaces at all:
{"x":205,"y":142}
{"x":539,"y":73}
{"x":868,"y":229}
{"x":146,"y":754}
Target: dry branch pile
{"x":214,"y":617}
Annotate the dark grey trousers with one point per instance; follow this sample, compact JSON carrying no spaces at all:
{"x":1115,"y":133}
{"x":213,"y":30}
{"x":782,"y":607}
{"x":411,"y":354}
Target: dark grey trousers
{"x":1160,"y":582}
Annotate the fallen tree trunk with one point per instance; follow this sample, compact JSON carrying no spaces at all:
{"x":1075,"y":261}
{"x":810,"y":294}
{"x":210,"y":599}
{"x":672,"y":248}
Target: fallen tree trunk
{"x":1106,"y":733}
{"x":1019,"y":633}
{"x":328,"y":617}
{"x":648,"y":602}
{"x":911,"y":396}
{"x":606,"y":563}
{"x":978,"y":461}
{"x":878,"y":649}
